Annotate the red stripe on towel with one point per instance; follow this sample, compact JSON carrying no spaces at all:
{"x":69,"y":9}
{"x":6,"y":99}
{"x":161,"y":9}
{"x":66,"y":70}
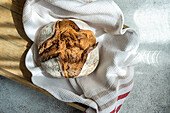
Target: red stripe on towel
{"x":113,"y":111}
{"x":123,"y":96}
{"x":120,"y":97}
{"x":117,"y":110}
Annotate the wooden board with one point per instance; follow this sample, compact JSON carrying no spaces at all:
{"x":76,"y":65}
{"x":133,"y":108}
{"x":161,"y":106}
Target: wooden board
{"x":14,"y":44}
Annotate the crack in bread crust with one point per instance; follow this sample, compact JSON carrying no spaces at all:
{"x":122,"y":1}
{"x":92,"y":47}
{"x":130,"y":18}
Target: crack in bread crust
{"x":70,"y":45}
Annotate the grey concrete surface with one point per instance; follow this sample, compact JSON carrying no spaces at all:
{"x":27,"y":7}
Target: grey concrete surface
{"x":16,"y":98}
{"x":151,"y":91}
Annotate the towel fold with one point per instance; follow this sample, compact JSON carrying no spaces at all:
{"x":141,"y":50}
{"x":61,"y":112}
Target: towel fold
{"x":105,"y":89}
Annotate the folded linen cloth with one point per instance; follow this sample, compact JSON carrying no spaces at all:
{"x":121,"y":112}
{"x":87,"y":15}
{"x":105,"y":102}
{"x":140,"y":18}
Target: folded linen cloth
{"x":106,"y":88}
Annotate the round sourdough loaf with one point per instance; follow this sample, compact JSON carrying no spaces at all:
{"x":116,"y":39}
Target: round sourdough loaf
{"x":57,"y":62}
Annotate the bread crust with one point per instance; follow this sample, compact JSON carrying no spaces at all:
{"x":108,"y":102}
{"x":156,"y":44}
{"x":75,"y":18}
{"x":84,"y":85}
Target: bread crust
{"x":53,"y":66}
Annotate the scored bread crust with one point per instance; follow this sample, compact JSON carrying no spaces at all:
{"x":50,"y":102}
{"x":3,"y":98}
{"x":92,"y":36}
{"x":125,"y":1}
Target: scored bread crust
{"x":52,"y":66}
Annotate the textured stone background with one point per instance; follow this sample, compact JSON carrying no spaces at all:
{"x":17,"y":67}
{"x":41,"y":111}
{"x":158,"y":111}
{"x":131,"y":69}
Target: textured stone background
{"x":151,"y":92}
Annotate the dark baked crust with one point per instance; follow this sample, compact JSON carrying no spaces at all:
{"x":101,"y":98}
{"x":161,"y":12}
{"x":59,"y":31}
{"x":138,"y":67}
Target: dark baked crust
{"x":70,"y":45}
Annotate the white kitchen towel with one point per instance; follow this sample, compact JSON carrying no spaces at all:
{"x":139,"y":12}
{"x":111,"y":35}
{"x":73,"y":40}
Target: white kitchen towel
{"x":106,"y":88}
